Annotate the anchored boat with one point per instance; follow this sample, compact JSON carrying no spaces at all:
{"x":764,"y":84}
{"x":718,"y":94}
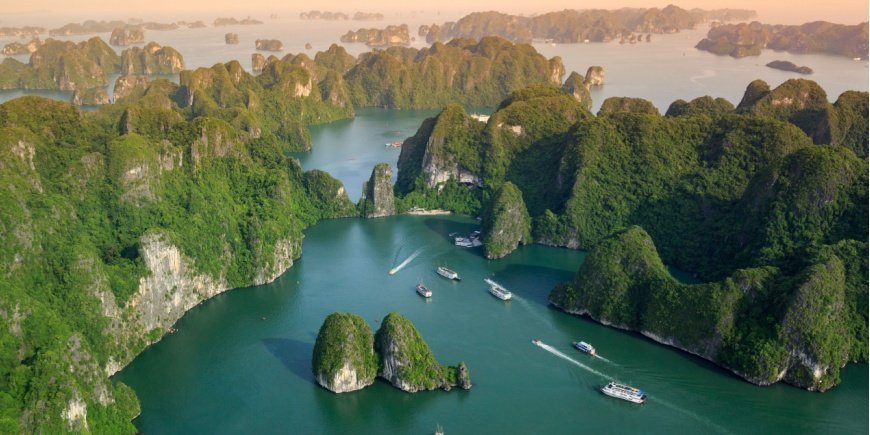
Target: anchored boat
{"x":624,"y":392}
{"x":498,"y":291}
{"x":584,"y":347}
{"x":424,"y":291}
{"x":447,"y":273}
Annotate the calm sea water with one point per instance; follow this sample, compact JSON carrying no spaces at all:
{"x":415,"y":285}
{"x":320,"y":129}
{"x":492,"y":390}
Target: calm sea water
{"x":241,"y":362}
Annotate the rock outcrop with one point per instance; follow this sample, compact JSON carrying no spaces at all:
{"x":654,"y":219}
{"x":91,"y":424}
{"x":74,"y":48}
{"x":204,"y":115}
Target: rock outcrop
{"x":122,"y":37}
{"x":785,"y":65}
{"x":127,"y":85}
{"x":269,"y":45}
{"x":151,"y":59}
{"x":378,"y":199}
{"x":594,"y":77}
{"x":505,"y":223}
{"x":387,"y":37}
{"x":16,"y":48}
{"x":328,"y":195}
{"x":90,"y":97}
{"x":407,"y":362}
{"x":344,"y":357}
{"x":575,"y":85}
{"x":231,"y":38}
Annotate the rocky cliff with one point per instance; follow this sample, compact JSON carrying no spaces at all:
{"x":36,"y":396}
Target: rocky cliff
{"x":577,"y":86}
{"x":269,"y":45}
{"x":122,"y":37}
{"x":151,"y":59}
{"x":505,"y":222}
{"x":344,"y":357}
{"x":407,"y":362}
{"x":389,"y":36}
{"x":378,"y":199}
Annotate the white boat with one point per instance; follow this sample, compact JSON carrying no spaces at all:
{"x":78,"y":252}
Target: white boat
{"x":585,"y":347}
{"x":447,"y":273}
{"x":498,"y":291}
{"x":536,"y":341}
{"x":424,"y":291}
{"x":462,"y":241}
{"x":624,"y":392}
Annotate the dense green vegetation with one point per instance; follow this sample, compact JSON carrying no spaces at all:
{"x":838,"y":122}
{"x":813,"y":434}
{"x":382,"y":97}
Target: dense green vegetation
{"x":765,"y":192}
{"x":345,"y":340}
{"x":407,"y":362}
{"x":505,"y":222}
{"x":83,"y":198}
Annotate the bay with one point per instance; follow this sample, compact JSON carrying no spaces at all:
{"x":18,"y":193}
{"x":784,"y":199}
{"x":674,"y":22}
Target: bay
{"x":241,"y":362}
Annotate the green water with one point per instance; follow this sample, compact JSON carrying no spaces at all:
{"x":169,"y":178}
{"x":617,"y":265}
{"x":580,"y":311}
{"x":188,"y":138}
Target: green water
{"x":227,"y":370}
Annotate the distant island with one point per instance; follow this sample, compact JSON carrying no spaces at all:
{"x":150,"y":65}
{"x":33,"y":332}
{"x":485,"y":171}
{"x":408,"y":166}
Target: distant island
{"x":748,"y":39}
{"x":16,"y":48}
{"x":340,"y":16}
{"x":90,"y":27}
{"x":23,"y":32}
{"x":218,"y":22}
{"x":571,"y":26}
{"x":269,"y":45}
{"x":387,"y":37}
{"x":789,"y":66}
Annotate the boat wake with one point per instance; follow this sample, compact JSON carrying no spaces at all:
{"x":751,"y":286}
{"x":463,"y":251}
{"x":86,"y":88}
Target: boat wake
{"x":407,"y":260}
{"x":604,"y":359}
{"x":688,"y":413}
{"x":559,"y":354}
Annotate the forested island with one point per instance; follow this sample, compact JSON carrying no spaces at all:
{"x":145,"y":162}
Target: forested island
{"x":748,"y":39}
{"x":765,"y":202}
{"x":571,"y":26}
{"x":340,"y":16}
{"x":387,"y":37}
{"x":84,"y":68}
{"x":785,"y":65}
{"x":117,"y":221}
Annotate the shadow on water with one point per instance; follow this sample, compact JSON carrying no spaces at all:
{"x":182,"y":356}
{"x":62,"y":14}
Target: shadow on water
{"x":294,"y":354}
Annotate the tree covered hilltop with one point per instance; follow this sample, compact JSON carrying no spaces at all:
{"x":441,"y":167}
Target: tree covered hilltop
{"x":765,"y":202}
{"x":748,"y":39}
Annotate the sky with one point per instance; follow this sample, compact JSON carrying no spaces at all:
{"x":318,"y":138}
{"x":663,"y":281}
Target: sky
{"x":770,"y":11}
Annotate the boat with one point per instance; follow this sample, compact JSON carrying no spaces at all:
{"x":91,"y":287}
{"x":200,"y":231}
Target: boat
{"x":624,"y":392}
{"x":463,"y":241}
{"x":447,"y":273}
{"x":498,"y":291}
{"x":394,"y":144}
{"x":585,"y":347}
{"x":424,"y":291}
{"x":537,"y":341}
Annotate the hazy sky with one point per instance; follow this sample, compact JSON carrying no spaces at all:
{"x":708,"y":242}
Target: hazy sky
{"x":772,"y":11}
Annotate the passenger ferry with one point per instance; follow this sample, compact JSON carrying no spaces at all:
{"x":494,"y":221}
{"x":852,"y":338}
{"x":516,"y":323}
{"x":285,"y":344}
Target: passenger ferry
{"x":424,"y":291}
{"x":624,"y":392}
{"x":498,"y":291}
{"x":584,"y":347}
{"x":447,"y":273}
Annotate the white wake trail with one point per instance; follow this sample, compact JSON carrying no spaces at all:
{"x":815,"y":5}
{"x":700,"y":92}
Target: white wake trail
{"x":407,"y":260}
{"x":559,"y":354}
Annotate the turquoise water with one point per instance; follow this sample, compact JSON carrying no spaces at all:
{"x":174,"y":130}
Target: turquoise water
{"x":240,"y":363}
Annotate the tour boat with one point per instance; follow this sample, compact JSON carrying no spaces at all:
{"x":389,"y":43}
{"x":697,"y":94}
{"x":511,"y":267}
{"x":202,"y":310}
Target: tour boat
{"x":447,"y":273}
{"x":624,"y":392}
{"x":498,"y":291}
{"x":585,"y":347}
{"x":394,"y":144}
{"x":424,"y":291}
{"x":462,"y":241}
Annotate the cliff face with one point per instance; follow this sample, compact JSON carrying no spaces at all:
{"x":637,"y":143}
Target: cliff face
{"x":408,"y":364}
{"x":151,"y":59}
{"x":575,"y":85}
{"x":127,"y":85}
{"x":505,"y":223}
{"x":378,"y":199}
{"x":344,"y":358}
{"x":122,"y":37}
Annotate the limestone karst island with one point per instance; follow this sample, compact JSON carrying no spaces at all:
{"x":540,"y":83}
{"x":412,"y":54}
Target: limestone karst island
{"x":498,"y":217}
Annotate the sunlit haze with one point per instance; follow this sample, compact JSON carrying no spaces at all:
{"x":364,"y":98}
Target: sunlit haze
{"x":771,"y":11}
